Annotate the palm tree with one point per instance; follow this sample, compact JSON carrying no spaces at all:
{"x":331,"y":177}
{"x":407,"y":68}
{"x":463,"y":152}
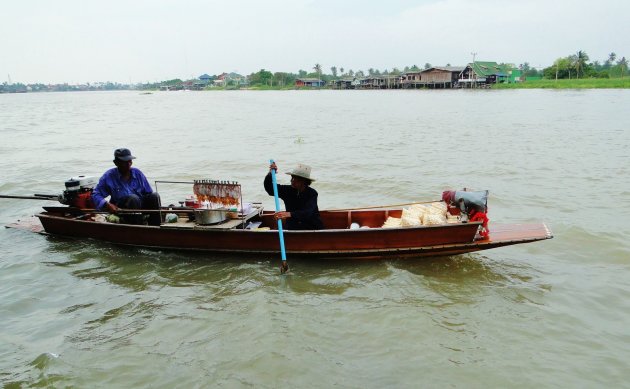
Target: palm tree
{"x":611,"y":57}
{"x":563,"y":64}
{"x":623,"y":64}
{"x":318,"y":70}
{"x":341,"y":71}
{"x":572,"y":61}
{"x":610,"y":61}
{"x":580,"y":60}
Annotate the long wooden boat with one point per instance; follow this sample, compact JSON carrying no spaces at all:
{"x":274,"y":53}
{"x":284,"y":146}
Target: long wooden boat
{"x":336,"y":240}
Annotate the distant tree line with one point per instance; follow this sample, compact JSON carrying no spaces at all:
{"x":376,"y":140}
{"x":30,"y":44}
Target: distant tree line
{"x":578,"y":66}
{"x":157,"y":85}
{"x":39,"y":87}
{"x":281,"y":79}
{"x":573,"y":66}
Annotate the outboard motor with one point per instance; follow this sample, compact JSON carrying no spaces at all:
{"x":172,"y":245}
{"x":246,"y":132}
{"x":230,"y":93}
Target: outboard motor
{"x":78,"y":192}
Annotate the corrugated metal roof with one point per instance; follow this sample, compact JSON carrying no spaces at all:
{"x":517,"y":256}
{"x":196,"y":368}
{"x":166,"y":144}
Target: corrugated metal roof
{"x":446,"y":68}
{"x":486,"y":68}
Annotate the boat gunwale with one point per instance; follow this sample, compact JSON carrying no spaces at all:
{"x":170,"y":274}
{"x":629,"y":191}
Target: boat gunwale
{"x":217,"y":228}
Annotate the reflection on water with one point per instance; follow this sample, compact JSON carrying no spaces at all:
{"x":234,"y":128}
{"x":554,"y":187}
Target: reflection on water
{"x":171,"y":285}
{"x":142,"y":269}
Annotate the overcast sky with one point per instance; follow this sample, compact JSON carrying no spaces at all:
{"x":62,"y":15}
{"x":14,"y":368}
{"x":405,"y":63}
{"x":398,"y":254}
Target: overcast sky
{"x":78,"y":41}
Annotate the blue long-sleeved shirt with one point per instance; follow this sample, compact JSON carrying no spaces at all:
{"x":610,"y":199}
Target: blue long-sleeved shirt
{"x":112,"y":184}
{"x":302,"y":205}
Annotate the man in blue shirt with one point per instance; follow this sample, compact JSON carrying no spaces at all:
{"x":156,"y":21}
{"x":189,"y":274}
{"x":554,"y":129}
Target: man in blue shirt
{"x":128,"y":188}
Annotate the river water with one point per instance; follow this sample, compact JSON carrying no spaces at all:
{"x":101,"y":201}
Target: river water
{"x":547,"y":314}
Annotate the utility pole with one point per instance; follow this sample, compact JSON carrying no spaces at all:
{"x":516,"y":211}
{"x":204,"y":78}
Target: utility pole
{"x":472,"y":66}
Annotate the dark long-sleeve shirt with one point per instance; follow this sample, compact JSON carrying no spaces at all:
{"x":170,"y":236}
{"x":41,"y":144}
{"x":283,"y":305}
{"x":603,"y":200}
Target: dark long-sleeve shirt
{"x":112,"y":184}
{"x":302,"y":205}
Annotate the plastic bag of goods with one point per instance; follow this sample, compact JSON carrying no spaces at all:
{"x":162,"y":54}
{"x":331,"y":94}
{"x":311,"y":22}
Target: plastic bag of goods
{"x":438,"y":208}
{"x":392,"y":222}
{"x":420,"y":209}
{"x":411,"y":217}
{"x":431,"y":219}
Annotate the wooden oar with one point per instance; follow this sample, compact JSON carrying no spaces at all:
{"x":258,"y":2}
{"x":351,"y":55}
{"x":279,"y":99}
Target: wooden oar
{"x":27,"y":197}
{"x":284,"y":267}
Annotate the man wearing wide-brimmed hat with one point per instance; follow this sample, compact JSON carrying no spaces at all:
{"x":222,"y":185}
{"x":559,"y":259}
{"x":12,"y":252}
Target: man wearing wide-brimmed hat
{"x":300,"y":200}
{"x":128,"y":188}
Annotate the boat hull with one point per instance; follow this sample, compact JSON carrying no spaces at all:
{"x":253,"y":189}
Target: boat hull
{"x":359,"y":243}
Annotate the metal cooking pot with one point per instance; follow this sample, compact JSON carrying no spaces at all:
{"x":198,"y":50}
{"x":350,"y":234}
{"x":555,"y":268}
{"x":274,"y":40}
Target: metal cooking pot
{"x":210,"y":216}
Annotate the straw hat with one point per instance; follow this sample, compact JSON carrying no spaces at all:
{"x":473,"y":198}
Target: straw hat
{"x":301,"y":170}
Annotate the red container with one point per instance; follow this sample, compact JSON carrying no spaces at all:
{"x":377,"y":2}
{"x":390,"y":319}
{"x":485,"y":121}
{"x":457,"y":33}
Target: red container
{"x":192,"y":203}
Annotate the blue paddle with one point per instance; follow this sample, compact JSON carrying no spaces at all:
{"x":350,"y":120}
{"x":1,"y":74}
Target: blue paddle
{"x":284,"y":267}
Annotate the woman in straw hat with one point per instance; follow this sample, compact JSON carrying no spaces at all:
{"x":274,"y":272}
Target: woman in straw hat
{"x":300,"y":200}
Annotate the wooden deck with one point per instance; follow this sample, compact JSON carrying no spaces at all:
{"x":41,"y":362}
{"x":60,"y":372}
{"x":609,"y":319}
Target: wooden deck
{"x":185,"y":223}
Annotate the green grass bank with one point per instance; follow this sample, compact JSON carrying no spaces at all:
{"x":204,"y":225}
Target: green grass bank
{"x":581,"y":83}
